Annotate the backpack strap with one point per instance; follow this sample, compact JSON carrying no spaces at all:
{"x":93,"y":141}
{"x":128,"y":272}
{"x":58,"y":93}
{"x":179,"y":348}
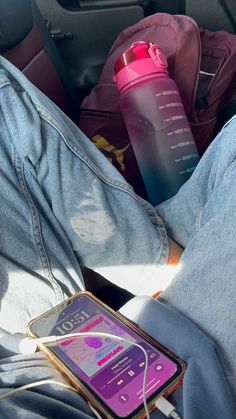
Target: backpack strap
{"x":201,"y":100}
{"x":226,"y":113}
{"x":228,"y":13}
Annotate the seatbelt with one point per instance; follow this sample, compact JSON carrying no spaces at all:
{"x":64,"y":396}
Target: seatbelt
{"x":53,"y":54}
{"x":228,"y":12}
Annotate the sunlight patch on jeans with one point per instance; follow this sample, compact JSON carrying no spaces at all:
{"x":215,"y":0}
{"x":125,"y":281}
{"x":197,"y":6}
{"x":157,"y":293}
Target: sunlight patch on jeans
{"x":140,"y":279}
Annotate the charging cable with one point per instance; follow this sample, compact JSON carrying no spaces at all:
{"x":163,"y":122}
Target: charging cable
{"x":36,"y":384}
{"x":167,"y":408}
{"x":29,"y":345}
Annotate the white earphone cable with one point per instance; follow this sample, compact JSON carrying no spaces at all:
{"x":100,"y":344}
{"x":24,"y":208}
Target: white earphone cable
{"x":29,"y":345}
{"x":36,"y":384}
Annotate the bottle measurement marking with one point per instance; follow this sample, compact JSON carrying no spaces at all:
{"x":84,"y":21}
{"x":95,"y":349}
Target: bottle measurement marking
{"x":188,"y":170}
{"x":167,"y":92}
{"x":178,"y":131}
{"x":171,"y":105}
{"x":186,"y":157}
{"x":174,"y":118}
{"x":182,"y":144}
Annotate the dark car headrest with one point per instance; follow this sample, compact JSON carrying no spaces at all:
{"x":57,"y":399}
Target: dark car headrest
{"x":16,"y":22}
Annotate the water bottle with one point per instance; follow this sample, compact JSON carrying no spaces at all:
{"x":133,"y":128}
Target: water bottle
{"x":155,"y":119}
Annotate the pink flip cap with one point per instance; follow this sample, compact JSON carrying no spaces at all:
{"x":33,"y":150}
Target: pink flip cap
{"x":141,"y":59}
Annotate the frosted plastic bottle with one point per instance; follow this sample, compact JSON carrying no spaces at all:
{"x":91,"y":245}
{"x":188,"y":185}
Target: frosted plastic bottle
{"x":155,"y":119}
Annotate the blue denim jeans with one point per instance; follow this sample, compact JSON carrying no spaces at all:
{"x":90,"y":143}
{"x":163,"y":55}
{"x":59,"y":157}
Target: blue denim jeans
{"x":64,"y":205}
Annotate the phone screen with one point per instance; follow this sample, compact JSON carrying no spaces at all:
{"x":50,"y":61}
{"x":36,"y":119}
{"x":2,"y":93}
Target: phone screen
{"x":113,"y":370}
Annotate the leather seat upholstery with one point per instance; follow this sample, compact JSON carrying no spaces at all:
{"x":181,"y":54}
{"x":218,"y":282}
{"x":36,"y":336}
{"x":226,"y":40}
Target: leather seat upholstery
{"x":26,"y":42}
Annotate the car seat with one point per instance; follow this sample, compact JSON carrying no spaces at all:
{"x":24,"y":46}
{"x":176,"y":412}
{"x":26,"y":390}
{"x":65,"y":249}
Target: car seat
{"x":26,"y":43}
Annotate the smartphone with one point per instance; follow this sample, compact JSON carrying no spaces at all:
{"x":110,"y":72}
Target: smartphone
{"x":108,"y":373}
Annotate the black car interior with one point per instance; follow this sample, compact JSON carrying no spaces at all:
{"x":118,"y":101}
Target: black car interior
{"x":61,"y":46}
{"x":27,"y":44}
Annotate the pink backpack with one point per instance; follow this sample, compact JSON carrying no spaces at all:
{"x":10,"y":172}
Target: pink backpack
{"x":202,"y":63}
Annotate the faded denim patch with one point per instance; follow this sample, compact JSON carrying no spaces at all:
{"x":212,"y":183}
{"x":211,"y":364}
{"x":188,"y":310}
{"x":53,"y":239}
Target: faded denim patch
{"x":93,"y":223}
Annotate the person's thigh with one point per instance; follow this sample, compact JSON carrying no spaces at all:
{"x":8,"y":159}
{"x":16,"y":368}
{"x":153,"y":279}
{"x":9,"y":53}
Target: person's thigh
{"x":182,"y":213}
{"x":205,"y":288}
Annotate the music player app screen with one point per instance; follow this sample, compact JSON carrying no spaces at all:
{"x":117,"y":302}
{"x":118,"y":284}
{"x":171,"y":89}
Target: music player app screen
{"x":113,"y":369}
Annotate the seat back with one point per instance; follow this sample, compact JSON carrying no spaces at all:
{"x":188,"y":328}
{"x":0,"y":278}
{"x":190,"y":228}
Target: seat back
{"x":26,"y":43}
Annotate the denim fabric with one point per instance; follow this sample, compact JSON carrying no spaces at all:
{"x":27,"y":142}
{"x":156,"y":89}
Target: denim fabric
{"x":63,"y":204}
{"x":202,"y":218}
{"x":205,"y":393}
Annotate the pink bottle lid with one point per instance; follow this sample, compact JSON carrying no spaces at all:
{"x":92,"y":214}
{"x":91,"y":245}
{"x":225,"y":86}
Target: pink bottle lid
{"x":141,"y":59}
